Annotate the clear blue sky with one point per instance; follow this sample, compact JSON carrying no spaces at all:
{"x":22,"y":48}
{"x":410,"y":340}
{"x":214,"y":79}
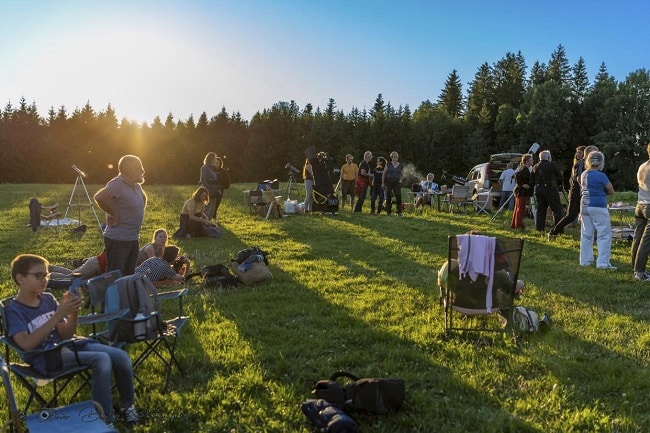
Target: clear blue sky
{"x":151,"y":58}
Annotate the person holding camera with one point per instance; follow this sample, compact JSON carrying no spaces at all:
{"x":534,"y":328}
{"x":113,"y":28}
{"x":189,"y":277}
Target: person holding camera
{"x":168,"y":269}
{"x":223,"y":183}
{"x":364,"y":179}
{"x":36,"y":320}
{"x":208,"y":179}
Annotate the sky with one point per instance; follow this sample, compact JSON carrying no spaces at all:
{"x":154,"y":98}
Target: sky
{"x":152,"y":58}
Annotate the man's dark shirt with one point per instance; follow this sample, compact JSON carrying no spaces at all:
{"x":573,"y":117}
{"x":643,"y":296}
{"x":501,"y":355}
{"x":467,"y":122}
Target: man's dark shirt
{"x":546,"y":174}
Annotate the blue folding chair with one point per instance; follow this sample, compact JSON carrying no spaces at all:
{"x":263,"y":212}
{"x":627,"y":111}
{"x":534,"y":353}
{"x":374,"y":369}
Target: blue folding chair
{"x":84,"y":417}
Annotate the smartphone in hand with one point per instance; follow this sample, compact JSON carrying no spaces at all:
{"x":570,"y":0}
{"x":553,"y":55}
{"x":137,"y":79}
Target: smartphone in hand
{"x":75,"y":286}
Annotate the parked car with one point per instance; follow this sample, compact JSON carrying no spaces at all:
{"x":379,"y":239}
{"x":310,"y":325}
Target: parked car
{"x":485,"y":175}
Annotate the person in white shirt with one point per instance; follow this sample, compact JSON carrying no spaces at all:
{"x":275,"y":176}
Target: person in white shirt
{"x":507,"y":181}
{"x":427,"y":188}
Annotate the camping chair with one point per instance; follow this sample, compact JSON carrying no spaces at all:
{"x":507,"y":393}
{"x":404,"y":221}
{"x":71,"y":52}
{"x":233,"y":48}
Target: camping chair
{"x":465,"y":298}
{"x":144,"y":324}
{"x":459,"y":198}
{"x":36,"y":215}
{"x":85,"y":417}
{"x":32,"y":379}
{"x":96,"y":289}
{"x":482,"y":202}
{"x":416,"y":192}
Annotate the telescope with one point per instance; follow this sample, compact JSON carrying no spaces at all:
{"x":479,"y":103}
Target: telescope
{"x":291,"y":168}
{"x":79,"y":172}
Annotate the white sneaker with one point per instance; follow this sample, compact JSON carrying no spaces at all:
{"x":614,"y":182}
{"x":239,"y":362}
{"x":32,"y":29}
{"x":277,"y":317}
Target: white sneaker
{"x":130,"y":415}
{"x":608,"y":267}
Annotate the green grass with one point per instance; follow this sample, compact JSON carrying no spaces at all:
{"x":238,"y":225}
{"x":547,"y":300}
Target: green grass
{"x":358,"y":293}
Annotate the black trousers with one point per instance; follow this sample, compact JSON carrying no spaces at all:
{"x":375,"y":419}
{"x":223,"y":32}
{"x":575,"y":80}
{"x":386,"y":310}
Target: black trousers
{"x":547,"y":197}
{"x":571,"y":213}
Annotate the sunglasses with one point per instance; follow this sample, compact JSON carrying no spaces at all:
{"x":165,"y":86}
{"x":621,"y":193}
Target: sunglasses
{"x":39,"y":275}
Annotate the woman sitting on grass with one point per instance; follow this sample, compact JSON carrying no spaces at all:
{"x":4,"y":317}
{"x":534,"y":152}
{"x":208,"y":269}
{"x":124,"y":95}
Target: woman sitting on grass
{"x":155,"y":248}
{"x":193,"y":220}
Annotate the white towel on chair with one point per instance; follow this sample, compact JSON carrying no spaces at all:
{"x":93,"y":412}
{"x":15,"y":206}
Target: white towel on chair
{"x":476,"y":257}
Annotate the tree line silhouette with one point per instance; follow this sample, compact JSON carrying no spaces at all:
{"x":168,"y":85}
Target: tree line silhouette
{"x":504,"y":109}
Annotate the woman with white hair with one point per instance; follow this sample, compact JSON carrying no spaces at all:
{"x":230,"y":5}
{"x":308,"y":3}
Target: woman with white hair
{"x":595,"y":187}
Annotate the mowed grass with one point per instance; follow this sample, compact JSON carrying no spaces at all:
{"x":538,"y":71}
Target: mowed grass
{"x":357,"y":292}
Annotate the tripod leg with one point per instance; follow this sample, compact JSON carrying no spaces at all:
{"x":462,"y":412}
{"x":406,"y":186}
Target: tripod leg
{"x":512,"y":194}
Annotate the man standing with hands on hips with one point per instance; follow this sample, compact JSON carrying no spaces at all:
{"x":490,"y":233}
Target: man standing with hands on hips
{"x":123,"y":200}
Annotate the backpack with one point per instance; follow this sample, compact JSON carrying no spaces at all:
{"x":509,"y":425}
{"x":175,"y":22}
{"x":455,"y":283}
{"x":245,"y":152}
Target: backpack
{"x":215,"y":276}
{"x":372,"y":396}
{"x":143,"y":320}
{"x":525,"y":320}
{"x":242,"y":255}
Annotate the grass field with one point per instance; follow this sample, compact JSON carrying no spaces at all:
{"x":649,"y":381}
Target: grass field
{"x":357,"y":292}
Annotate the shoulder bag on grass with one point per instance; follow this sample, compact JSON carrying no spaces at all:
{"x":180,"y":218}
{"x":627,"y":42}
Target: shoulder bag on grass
{"x":370,"y":395}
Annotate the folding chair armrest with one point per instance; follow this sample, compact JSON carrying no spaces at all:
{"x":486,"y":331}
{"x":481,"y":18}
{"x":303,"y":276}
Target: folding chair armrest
{"x":172,"y":294}
{"x":21,"y":352}
{"x":95,"y":318}
{"x":175,"y":294}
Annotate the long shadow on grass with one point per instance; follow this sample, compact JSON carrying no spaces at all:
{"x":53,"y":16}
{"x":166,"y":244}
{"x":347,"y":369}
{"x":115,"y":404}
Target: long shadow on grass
{"x":305,"y":326}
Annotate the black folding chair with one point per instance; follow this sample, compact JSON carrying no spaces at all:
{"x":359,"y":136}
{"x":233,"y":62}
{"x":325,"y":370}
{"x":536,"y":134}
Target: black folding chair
{"x":161,"y":335}
{"x":465,"y":299}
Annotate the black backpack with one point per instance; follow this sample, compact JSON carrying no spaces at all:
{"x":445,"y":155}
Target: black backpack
{"x":216,"y":276}
{"x":372,"y":396}
{"x":242,"y":255}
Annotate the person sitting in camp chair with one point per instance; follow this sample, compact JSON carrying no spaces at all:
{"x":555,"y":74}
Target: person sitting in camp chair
{"x":38,"y":213}
{"x":170,"y":269}
{"x":35,"y":320}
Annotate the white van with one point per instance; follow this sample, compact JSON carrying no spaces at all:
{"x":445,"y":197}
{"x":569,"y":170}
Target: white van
{"x":485,"y":175}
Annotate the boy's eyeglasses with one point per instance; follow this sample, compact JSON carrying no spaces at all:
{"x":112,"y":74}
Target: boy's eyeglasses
{"x":40,"y":275}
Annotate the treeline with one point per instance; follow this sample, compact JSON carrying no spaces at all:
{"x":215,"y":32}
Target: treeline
{"x":505,"y":108}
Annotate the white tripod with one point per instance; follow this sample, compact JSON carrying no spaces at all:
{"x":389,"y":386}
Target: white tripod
{"x":79,"y":204}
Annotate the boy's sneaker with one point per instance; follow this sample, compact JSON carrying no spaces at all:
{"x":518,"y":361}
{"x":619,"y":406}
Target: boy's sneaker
{"x":642,"y":276}
{"x":111,"y":428}
{"x":130,"y":415}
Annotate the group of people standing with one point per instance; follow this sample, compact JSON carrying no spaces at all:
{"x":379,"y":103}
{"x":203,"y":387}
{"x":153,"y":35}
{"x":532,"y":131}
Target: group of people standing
{"x":384,"y":181}
{"x":588,"y":191}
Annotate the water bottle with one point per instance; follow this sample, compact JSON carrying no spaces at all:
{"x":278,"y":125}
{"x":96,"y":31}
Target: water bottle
{"x":139,"y":327}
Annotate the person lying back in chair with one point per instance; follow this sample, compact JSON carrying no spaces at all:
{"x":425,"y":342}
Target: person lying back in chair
{"x":91,"y":267}
{"x":35,"y":320}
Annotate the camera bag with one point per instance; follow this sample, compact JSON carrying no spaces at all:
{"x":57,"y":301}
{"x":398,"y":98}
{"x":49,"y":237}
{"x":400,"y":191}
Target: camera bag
{"x":370,"y":395}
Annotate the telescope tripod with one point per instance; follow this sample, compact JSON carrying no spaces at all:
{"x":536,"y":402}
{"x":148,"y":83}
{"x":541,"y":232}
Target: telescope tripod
{"x":292,"y":186}
{"x":79,"y":204}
